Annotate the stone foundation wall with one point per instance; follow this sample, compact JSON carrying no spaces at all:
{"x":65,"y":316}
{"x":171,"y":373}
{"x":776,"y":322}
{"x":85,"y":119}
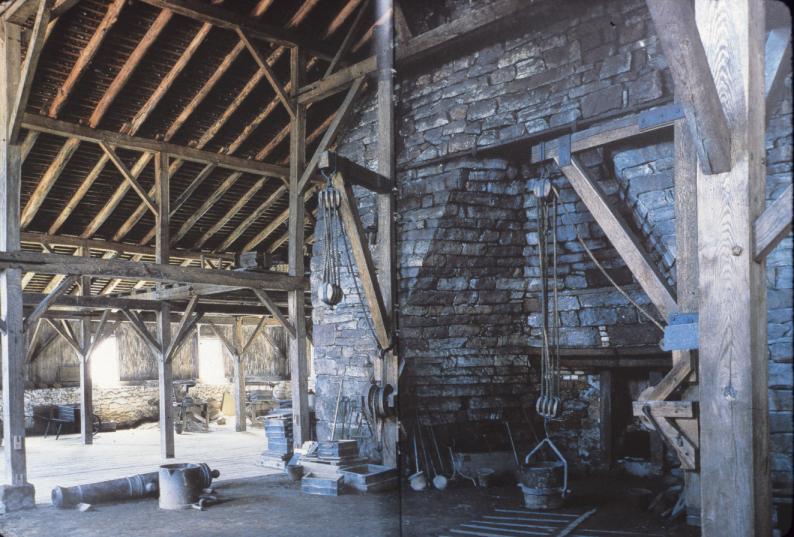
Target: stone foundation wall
{"x":126,"y":405}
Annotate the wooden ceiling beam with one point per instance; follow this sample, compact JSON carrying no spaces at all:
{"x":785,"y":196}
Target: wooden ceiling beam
{"x":192,"y":187}
{"x":282,"y":217}
{"x":251,"y":218}
{"x":35,"y":46}
{"x":119,"y":268}
{"x":67,"y":151}
{"x":220,"y":318}
{"x":132,"y":128}
{"x":206,"y":206}
{"x":132,"y":180}
{"x":268,"y":73}
{"x":233,"y":211}
{"x":182,"y":292}
{"x":86,"y":57}
{"x":274,"y":224}
{"x":345,"y":45}
{"x":49,"y":241}
{"x":230,"y":110}
{"x":47,"y":180}
{"x":228,"y":20}
{"x":180,"y":120}
{"x":333,"y":129}
{"x":309,"y":219}
{"x":136,"y":143}
{"x":130,"y":65}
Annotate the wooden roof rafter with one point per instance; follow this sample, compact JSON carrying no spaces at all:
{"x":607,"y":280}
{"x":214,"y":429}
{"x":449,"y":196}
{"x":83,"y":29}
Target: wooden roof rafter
{"x":137,"y":121}
{"x":228,"y":20}
{"x":208,"y":135}
{"x":246,"y":132}
{"x":103,"y":103}
{"x":68,"y":149}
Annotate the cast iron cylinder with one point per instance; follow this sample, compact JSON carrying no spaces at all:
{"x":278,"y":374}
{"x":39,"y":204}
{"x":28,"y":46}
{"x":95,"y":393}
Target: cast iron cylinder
{"x":126,"y":488}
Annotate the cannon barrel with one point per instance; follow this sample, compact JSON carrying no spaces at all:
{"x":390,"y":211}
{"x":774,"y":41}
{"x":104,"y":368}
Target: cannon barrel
{"x":126,"y":488}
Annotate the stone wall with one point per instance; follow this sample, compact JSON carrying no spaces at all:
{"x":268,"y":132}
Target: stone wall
{"x":467,"y":240}
{"x":127,"y":406}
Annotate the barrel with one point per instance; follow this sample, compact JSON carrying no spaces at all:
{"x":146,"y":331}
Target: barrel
{"x":542,"y":483}
{"x":182,"y":484}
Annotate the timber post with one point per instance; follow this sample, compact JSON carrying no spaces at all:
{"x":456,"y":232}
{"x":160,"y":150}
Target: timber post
{"x":17,"y":493}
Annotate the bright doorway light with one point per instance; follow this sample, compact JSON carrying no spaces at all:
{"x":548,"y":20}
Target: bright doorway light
{"x":104,"y":363}
{"x":211,"y":369}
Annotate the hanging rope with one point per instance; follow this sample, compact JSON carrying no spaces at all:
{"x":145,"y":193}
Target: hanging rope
{"x":548,"y":402}
{"x":609,"y":278}
{"x":328,"y":199}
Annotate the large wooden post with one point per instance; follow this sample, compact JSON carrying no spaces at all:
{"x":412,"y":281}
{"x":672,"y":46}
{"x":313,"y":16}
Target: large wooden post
{"x":162,"y":247}
{"x":734,"y":436}
{"x":239,"y":376}
{"x":386,"y":232}
{"x":18,"y":493}
{"x":86,"y":384}
{"x":297,"y":314}
{"x":686,"y":233}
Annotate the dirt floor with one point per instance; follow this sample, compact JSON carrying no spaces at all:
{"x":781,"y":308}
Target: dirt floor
{"x":67,"y":462}
{"x":273,"y":505}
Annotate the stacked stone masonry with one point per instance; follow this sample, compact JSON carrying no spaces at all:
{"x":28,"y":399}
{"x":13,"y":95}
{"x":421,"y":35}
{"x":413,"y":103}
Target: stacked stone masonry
{"x":467,"y":241}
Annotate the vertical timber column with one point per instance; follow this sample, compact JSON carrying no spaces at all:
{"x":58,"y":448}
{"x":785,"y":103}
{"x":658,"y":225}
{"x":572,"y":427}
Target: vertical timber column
{"x":297,"y":310}
{"x":734,"y":434}
{"x":239,"y":376}
{"x":86,"y":384}
{"x":686,"y":267}
{"x":386,"y":235}
{"x":18,"y":493}
{"x":162,"y":247}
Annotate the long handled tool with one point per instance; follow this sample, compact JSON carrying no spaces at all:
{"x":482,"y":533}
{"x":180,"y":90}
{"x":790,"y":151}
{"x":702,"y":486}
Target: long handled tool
{"x":417,"y":480}
{"x":338,"y":399}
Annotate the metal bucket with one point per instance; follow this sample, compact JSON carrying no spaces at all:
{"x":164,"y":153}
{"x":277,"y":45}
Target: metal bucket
{"x":182,"y":484}
{"x":543,"y":485}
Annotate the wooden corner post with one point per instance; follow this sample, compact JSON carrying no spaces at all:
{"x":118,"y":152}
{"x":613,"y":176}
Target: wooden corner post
{"x":17,"y":493}
{"x":162,"y":247}
{"x":733,"y":356}
{"x":297,"y":312}
{"x":386,"y":233}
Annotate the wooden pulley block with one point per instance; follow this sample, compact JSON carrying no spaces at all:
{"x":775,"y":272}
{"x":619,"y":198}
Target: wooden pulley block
{"x":331,"y":294}
{"x":541,"y":188}
{"x":329,"y":198}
